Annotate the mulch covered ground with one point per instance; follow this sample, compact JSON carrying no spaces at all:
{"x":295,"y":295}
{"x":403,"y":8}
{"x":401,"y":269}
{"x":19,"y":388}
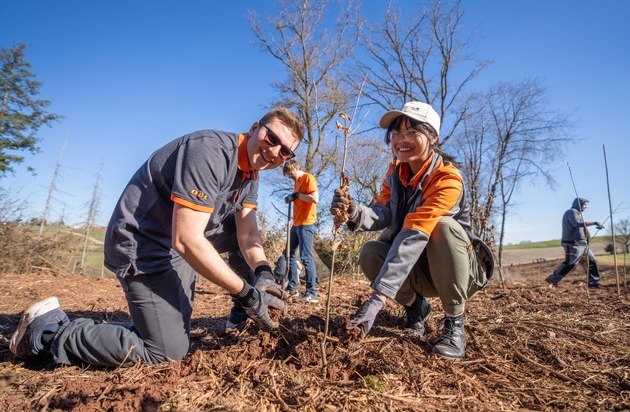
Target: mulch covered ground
{"x":529,"y":348}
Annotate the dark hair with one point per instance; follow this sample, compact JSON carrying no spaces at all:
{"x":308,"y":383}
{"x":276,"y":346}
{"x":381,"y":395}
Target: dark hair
{"x":422,"y":127}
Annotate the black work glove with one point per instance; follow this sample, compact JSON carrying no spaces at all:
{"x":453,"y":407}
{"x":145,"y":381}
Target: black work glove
{"x":266,"y":282}
{"x":342,"y":203}
{"x":290,"y":198}
{"x":599,"y":226}
{"x":257,"y":303}
{"x":365,"y":316}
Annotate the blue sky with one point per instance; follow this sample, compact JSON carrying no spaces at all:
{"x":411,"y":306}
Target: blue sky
{"x":130,"y":76}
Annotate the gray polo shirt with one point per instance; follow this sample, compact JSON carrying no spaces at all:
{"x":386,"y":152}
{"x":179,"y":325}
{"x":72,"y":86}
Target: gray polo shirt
{"x":207,"y":170}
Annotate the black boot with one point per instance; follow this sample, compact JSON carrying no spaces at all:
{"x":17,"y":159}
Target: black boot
{"x":452,"y":342}
{"x":416,"y":314}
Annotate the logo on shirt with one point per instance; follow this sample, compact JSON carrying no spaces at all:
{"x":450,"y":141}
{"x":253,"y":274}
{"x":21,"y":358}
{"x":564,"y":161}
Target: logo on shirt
{"x":199,"y":194}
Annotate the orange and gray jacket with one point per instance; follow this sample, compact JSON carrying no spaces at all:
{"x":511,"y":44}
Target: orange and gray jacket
{"x":407,"y":210}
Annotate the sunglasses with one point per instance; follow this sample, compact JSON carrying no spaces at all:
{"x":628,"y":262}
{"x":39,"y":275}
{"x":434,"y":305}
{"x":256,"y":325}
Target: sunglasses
{"x":273,"y":140}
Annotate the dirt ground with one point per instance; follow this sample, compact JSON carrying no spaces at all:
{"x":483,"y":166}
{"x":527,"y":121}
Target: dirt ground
{"x":529,"y":348}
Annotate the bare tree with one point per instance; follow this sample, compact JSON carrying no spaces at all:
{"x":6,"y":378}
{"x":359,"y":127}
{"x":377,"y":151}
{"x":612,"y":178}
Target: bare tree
{"x":368,"y":167}
{"x":12,"y":207}
{"x":421,"y":57}
{"x":313,"y":55}
{"x":473,"y":155}
{"x":92,"y":213}
{"x":513,"y":136}
{"x":622,"y":228}
{"x":51,"y":189}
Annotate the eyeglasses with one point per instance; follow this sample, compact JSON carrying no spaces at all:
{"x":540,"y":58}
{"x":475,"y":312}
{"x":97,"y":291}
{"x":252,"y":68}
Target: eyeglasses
{"x":273,"y":140}
{"x":409,"y":134}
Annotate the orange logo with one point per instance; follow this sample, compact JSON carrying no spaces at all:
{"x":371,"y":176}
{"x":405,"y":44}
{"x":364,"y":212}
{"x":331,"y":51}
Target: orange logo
{"x":199,"y":194}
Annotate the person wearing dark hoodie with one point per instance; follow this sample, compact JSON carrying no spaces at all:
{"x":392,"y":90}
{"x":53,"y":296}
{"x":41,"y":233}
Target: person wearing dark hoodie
{"x":575,"y":241}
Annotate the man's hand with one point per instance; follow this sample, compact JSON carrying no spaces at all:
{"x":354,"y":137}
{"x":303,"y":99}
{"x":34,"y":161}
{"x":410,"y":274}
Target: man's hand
{"x":266,"y":282}
{"x":257,"y":303}
{"x":343,"y":207}
{"x":365,"y":316}
{"x":290,"y":198}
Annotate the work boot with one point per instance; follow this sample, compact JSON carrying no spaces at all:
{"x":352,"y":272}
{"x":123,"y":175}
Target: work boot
{"x":38,"y":326}
{"x":452,"y":342}
{"x":551,"y":283}
{"x":416,"y":314}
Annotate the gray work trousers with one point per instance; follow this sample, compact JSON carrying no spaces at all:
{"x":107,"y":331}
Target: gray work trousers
{"x":160,"y":305}
{"x":448,"y":268}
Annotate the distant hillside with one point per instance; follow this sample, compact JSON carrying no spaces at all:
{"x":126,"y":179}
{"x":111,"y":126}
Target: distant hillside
{"x":549,"y":243}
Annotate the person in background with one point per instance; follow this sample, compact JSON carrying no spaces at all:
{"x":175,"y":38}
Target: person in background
{"x":426,"y":247}
{"x":194,"y":198}
{"x":575,"y":239}
{"x":304,"y":197}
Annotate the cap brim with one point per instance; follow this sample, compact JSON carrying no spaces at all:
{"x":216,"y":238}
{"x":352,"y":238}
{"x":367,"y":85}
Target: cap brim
{"x":389,"y":117}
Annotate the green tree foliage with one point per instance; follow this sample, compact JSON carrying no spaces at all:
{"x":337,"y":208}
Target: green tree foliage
{"x":21,"y":113}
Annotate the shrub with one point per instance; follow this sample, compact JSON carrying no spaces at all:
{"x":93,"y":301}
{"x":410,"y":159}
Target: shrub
{"x":23,"y":251}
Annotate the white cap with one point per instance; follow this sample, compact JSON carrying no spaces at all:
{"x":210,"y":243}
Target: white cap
{"x":422,"y":112}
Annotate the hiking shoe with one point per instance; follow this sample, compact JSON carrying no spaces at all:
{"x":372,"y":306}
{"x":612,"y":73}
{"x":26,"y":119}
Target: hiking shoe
{"x":236,"y":318}
{"x":452,"y":342}
{"x":416,"y":314}
{"x":310,"y":298}
{"x":293,"y":293}
{"x":42,"y":317}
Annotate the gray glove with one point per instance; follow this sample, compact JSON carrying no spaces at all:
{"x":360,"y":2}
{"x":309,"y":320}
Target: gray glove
{"x":599,"y":226}
{"x":343,"y":202}
{"x":266,"y":282}
{"x":257,"y":303}
{"x":365,"y":316}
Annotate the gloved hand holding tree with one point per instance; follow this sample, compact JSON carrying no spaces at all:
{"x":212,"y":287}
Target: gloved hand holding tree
{"x":599,"y":226}
{"x":343,"y":207}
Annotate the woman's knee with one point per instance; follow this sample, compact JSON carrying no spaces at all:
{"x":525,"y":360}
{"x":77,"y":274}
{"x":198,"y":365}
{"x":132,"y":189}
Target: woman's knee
{"x":448,"y":231}
{"x":371,"y":258}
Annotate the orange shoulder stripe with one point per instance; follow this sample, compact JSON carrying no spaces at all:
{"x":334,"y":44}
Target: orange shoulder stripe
{"x":191,"y":205}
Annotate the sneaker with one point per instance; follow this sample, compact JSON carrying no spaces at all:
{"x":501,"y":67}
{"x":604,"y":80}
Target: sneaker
{"x":236,"y":318}
{"x":452,"y":342}
{"x":594,"y":285}
{"x":43,"y":316}
{"x":293,"y":293}
{"x":310,"y":298}
{"x":416,"y":314}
